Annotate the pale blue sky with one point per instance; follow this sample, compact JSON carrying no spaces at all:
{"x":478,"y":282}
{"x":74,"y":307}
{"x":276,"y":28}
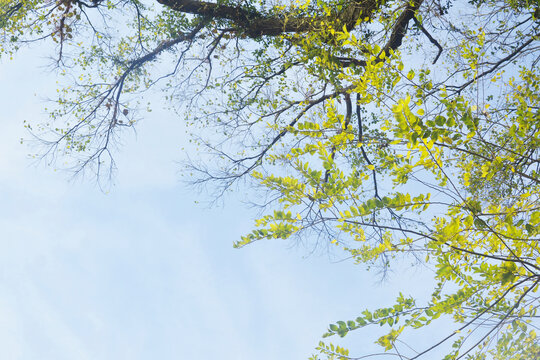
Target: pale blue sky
{"x":142,"y":272}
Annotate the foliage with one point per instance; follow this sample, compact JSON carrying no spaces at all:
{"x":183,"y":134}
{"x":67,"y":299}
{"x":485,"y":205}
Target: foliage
{"x":387,"y":129}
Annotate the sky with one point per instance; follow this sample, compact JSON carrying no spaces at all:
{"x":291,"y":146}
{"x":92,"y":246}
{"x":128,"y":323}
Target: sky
{"x":142,"y":271}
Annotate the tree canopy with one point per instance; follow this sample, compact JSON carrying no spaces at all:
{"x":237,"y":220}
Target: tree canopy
{"x":389,"y":130}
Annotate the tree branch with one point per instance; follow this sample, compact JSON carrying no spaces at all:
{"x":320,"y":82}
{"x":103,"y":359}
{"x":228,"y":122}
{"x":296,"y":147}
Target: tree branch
{"x":433,"y":41}
{"x":255,"y":24}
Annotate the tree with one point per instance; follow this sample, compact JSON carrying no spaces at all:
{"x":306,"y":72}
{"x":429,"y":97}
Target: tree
{"x":387,"y":129}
